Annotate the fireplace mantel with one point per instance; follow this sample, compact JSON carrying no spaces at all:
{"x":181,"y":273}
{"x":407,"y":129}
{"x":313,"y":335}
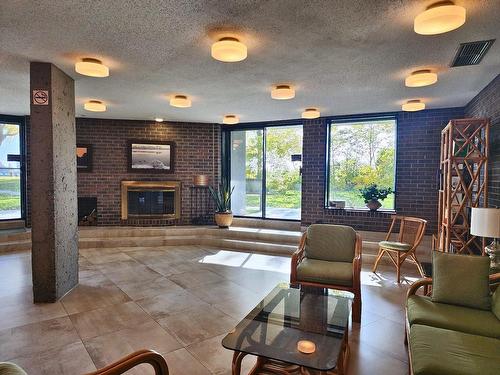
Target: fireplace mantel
{"x":151,"y":187}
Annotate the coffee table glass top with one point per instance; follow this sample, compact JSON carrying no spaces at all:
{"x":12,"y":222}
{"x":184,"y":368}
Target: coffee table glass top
{"x":289,"y":314}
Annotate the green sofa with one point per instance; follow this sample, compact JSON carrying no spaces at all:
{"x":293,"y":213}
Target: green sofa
{"x":446,"y":338}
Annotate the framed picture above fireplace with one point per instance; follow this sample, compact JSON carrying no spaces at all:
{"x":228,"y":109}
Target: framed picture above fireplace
{"x":156,"y":157}
{"x":83,"y":158}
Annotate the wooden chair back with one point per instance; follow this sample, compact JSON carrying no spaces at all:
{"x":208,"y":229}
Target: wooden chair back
{"x":407,"y":229}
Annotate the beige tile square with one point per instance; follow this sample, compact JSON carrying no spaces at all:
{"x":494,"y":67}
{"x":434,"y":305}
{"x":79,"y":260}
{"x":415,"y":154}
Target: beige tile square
{"x":196,"y":324}
{"x":195,"y":278}
{"x":145,"y":289}
{"x":69,"y":359}
{"x":107,"y":258}
{"x":221,"y":291}
{"x":108,"y":319}
{"x":181,"y":362}
{"x":92,"y":293}
{"x":163,"y":305}
{"x":36,"y":337}
{"x":113,"y":346}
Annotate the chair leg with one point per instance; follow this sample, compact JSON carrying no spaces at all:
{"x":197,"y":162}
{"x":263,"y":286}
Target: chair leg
{"x":356,"y":308}
{"x":398,"y":268}
{"x":377,"y":260}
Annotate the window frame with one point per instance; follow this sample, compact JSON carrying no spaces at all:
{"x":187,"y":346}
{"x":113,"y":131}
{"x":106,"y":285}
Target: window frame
{"x":21,"y":121}
{"x":351,"y":119}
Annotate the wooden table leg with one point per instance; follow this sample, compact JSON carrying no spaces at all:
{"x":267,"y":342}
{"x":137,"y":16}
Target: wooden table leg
{"x":236,"y":364}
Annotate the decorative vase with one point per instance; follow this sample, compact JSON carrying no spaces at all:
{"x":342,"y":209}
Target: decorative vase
{"x":224,"y":219}
{"x":373,"y":205}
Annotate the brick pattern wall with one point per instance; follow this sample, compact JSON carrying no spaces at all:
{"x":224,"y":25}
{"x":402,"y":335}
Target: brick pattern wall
{"x":487,"y":104}
{"x":197,"y":152}
{"x":417,"y":165}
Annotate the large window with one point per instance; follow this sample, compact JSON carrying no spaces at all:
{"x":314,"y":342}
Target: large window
{"x":10,"y":171}
{"x":361,"y":153}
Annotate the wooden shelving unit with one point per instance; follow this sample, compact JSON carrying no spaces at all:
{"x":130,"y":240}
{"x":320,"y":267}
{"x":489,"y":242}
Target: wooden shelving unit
{"x":463,"y":184}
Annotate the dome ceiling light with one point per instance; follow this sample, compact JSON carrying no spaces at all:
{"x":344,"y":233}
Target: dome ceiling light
{"x":180,"y":101}
{"x":413,"y":105}
{"x":230,"y":119}
{"x":439,"y":18}
{"x":229,"y":49}
{"x":92,"y":68}
{"x":311,"y":113}
{"x":283,"y":92}
{"x":95,"y":106}
{"x":421,"y":78}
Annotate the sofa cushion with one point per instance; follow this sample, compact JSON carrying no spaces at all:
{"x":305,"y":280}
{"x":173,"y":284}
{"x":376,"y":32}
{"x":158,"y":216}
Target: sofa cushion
{"x":330,"y":242}
{"x":399,"y":246}
{"x":325,"y":272}
{"x":421,"y":310}
{"x":7,"y":368}
{"x":461,"y":280}
{"x":437,"y":351}
{"x":495,"y":303}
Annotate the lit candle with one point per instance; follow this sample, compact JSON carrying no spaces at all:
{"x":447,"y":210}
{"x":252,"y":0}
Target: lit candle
{"x":306,"y":346}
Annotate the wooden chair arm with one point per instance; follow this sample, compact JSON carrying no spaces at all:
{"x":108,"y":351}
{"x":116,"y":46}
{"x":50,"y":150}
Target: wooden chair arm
{"x":418,"y":284}
{"x":297,"y":257}
{"x":142,"y":356}
{"x":356,"y":262}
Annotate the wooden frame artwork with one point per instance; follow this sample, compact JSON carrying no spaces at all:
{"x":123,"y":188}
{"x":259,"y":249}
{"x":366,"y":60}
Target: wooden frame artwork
{"x":84,"y":158}
{"x":151,"y":156}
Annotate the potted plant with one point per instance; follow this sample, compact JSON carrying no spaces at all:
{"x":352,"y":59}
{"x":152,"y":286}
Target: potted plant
{"x":222,"y":199}
{"x":371,"y":194}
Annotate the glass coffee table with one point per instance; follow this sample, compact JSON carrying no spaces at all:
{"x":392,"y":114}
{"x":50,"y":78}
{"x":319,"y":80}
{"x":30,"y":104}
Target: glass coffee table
{"x":292,"y":317}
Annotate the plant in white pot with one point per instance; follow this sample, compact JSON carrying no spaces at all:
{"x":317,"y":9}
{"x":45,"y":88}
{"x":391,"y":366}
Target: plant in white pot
{"x":372,"y":194}
{"x":222,"y":199}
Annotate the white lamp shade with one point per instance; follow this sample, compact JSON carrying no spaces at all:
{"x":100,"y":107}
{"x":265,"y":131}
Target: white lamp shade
{"x":485,"y":222}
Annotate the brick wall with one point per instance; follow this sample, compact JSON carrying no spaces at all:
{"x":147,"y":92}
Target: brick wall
{"x":197,"y":152}
{"x":487,"y":104}
{"x":417,"y":165}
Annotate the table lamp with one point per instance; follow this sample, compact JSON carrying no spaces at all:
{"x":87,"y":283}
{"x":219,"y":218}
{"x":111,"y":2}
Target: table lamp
{"x":485,"y":222}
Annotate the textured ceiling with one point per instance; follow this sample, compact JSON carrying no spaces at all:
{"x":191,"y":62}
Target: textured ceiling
{"x":344,"y":56}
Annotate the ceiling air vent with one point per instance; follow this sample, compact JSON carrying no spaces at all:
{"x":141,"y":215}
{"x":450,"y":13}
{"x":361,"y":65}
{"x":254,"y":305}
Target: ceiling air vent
{"x":471,"y":53}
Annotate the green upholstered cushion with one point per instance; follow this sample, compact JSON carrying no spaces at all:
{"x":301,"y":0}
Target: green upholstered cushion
{"x":421,"y":310}
{"x":7,"y":368}
{"x":330,"y":242}
{"x":325,"y":272}
{"x":461,"y":280}
{"x":495,"y":303}
{"x":399,"y":246}
{"x":437,"y":351}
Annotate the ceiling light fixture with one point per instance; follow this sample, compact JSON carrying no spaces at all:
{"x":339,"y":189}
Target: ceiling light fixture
{"x":95,"y":106}
{"x":413,"y":105}
{"x":92,"y":68}
{"x":230,"y":119}
{"x":421,"y":78}
{"x":439,"y":18}
{"x":158,"y":119}
{"x":229,"y":49}
{"x":180,"y":101}
{"x":311,"y":113}
{"x":283,"y":92}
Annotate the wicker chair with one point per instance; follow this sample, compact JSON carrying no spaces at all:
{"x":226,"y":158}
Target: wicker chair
{"x":411,"y":232}
{"x":329,"y":256}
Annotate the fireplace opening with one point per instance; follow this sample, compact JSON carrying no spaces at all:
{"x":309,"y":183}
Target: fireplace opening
{"x":151,"y":203}
{"x":151,"y":199}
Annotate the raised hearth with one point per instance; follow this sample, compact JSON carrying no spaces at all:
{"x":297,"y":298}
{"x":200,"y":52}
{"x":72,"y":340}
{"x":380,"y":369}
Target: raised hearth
{"x":150,"y":199}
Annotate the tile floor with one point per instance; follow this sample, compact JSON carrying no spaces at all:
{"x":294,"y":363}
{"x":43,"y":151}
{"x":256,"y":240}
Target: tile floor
{"x":179,"y":301}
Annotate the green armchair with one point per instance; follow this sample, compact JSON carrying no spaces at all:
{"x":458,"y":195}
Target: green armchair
{"x":329,"y":256}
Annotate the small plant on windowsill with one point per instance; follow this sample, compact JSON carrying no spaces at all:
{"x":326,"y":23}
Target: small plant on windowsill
{"x":372,"y":194}
{"x":222,"y":199}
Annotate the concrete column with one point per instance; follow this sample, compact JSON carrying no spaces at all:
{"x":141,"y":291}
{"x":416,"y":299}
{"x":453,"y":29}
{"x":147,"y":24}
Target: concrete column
{"x":54,"y":218}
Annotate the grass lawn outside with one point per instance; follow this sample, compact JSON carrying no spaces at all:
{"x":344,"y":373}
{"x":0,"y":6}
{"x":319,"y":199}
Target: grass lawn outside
{"x":10,"y":193}
{"x":286,"y":199}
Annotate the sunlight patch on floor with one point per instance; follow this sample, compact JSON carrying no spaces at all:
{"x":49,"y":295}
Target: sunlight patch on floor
{"x":259,"y":262}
